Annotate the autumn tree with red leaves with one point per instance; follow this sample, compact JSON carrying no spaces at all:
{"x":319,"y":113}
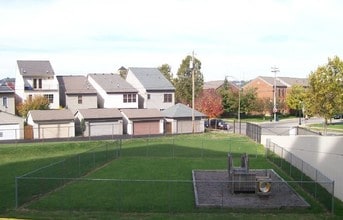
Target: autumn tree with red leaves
{"x":209,"y":102}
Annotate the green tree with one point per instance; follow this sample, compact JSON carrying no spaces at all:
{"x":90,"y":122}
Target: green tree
{"x":183,"y":82}
{"x":166,"y":71}
{"x":325,"y":92}
{"x":248,"y":100}
{"x":296,"y":98}
{"x":38,"y":102}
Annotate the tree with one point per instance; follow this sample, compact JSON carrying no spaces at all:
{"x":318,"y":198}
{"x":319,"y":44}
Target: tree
{"x":166,"y":71}
{"x":183,"y":82}
{"x":325,"y":92}
{"x":209,"y":102}
{"x":248,"y":100}
{"x":38,"y":102}
{"x":296,"y":98}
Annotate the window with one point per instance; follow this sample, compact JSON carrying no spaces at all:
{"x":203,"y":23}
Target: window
{"x":1,"y":134}
{"x":35,"y":83}
{"x":128,"y":98}
{"x":50,"y":97}
{"x":5,"y":101}
{"x":30,"y":97}
{"x":148,"y":96}
{"x":79,"y":99}
{"x":168,"y":97}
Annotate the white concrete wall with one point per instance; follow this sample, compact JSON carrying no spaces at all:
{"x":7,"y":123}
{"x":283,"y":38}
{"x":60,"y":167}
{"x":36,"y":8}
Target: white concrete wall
{"x":324,"y":153}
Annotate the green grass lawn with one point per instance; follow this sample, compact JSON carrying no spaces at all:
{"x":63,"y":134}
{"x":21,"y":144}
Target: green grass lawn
{"x":336,"y":127}
{"x":139,"y":185}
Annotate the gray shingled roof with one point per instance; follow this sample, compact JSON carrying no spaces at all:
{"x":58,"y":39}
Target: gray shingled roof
{"x":113,"y":83}
{"x":290,"y":81}
{"x":51,"y":115}
{"x":181,"y":111}
{"x":142,"y":113}
{"x":75,"y":85}
{"x":35,"y":68}
{"x":6,"y":89}
{"x":270,"y":80}
{"x":216,"y":84}
{"x":6,"y":118}
{"x":100,"y":113}
{"x":152,"y":78}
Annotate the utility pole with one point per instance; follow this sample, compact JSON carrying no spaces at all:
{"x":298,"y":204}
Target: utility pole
{"x":274,"y":70}
{"x":193,"y":69}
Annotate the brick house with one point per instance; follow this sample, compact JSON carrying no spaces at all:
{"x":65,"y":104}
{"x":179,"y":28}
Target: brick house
{"x":264,"y":86}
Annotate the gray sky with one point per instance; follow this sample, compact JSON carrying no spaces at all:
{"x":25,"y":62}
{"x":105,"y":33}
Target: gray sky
{"x":242,"y":38}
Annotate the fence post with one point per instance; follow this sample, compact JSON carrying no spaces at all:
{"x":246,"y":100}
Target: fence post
{"x":16,"y":192}
{"x":333,"y":198}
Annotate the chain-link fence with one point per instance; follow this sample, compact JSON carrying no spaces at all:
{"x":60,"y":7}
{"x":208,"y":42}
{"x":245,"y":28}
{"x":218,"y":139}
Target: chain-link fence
{"x":253,"y":131}
{"x":38,"y":182}
{"x":310,"y":179}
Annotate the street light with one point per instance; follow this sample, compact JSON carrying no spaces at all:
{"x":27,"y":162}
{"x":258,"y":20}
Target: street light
{"x":274,"y":70}
{"x":192,"y":67}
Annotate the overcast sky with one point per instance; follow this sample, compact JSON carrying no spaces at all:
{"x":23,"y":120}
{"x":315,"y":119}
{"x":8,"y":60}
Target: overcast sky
{"x":241,"y":38}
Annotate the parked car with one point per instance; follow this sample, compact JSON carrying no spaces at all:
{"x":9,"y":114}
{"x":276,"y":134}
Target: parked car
{"x":338,"y":116}
{"x":216,"y":123}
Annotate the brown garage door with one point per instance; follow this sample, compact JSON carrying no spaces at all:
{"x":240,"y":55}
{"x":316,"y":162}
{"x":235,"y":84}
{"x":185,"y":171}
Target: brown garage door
{"x":146,"y":127}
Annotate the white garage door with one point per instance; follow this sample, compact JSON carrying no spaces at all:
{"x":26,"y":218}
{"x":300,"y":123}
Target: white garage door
{"x":9,"y":132}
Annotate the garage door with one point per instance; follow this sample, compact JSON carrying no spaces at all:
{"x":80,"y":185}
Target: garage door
{"x":9,"y":132}
{"x":54,"y":131}
{"x":184,"y":126}
{"x":146,"y":127}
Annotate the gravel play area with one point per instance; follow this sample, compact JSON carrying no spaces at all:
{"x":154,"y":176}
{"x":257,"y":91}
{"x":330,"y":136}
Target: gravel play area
{"x":211,"y":189}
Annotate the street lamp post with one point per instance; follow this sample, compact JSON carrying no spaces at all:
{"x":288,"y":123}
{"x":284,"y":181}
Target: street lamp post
{"x":274,"y":70}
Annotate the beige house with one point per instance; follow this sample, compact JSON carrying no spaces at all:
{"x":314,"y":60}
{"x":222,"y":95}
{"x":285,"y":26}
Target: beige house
{"x":51,"y":123}
{"x":76,"y":93}
{"x":7,"y":99}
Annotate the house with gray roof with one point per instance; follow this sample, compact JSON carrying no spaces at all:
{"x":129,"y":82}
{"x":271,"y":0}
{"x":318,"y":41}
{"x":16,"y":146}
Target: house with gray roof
{"x":98,"y":122}
{"x":113,"y":91}
{"x":77,"y":93}
{"x":37,"y":77}
{"x":7,"y":99}
{"x":217,"y":84}
{"x":142,"y":121}
{"x":179,"y":120}
{"x":155,"y":91}
{"x":11,"y":126}
{"x":51,"y":123}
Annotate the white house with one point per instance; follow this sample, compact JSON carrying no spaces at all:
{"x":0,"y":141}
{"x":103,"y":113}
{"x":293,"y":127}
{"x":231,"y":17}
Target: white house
{"x":113,"y":91}
{"x":142,"y":121}
{"x":98,"y":122}
{"x":36,"y":77}
{"x":51,"y":123}
{"x":179,"y":120}
{"x":76,"y":93}
{"x":11,"y":126}
{"x":155,"y":91}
